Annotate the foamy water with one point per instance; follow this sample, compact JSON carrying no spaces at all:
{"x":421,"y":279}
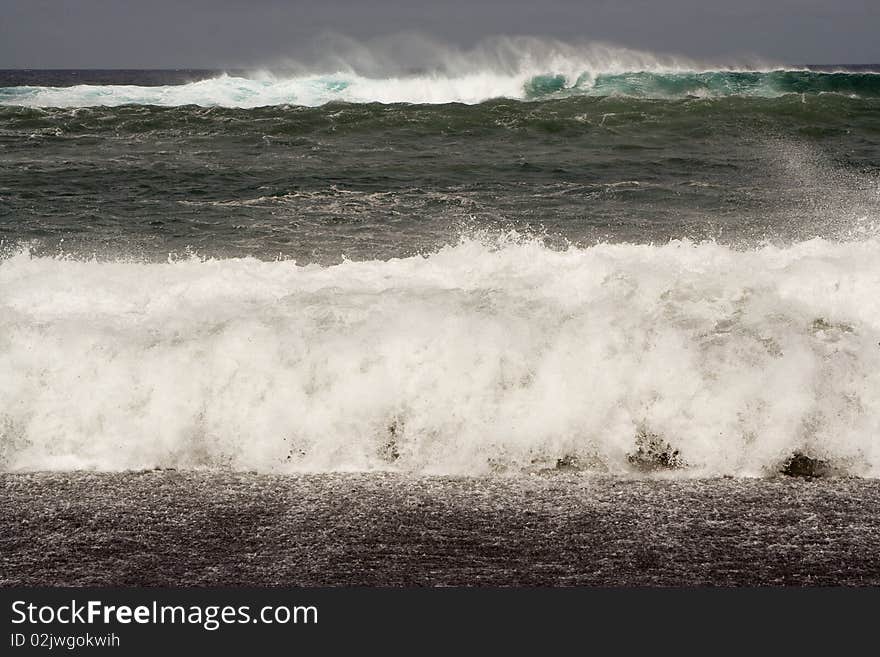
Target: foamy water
{"x":491,"y":354}
{"x":354,"y":73}
{"x":469,"y":88}
{"x":510,"y":68}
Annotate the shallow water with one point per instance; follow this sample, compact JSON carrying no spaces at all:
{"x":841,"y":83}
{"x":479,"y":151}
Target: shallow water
{"x":195,"y":528}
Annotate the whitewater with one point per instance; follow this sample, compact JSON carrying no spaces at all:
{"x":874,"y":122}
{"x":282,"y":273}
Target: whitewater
{"x":429,"y":73}
{"x":490,"y":355}
{"x":314,"y":90}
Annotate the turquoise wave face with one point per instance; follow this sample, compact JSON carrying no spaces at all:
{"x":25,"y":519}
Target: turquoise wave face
{"x":545,"y":85}
{"x":708,"y":84}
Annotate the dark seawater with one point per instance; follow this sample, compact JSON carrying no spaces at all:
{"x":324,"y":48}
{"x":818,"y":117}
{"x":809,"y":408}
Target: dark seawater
{"x":636,"y":157}
{"x":611,"y":271}
{"x":240,"y":529}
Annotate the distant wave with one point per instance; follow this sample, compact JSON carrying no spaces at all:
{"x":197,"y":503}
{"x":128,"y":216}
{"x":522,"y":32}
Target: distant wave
{"x":493,"y":354}
{"x":414,"y":69}
{"x":315,"y":90}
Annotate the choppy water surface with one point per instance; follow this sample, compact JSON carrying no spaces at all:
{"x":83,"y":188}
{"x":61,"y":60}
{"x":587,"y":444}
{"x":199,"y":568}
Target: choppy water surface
{"x":456,"y":273}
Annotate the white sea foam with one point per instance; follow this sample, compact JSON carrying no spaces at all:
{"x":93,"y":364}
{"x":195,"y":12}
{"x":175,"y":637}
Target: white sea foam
{"x":486,"y":354}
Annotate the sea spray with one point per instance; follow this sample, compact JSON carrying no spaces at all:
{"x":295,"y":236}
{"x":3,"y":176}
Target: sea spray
{"x":470,"y":88}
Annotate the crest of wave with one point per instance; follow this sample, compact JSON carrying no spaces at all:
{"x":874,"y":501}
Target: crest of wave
{"x":413,"y":68}
{"x":406,"y":68}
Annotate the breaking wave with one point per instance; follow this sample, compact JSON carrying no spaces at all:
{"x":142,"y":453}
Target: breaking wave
{"x":316,"y":90}
{"x":487,"y":355}
{"x":417,"y":71}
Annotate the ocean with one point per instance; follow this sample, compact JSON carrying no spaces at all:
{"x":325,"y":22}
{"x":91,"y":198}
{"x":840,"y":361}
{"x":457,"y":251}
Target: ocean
{"x":633,"y":274}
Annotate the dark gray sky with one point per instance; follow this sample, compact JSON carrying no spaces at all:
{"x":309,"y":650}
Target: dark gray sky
{"x":230,"y":33}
